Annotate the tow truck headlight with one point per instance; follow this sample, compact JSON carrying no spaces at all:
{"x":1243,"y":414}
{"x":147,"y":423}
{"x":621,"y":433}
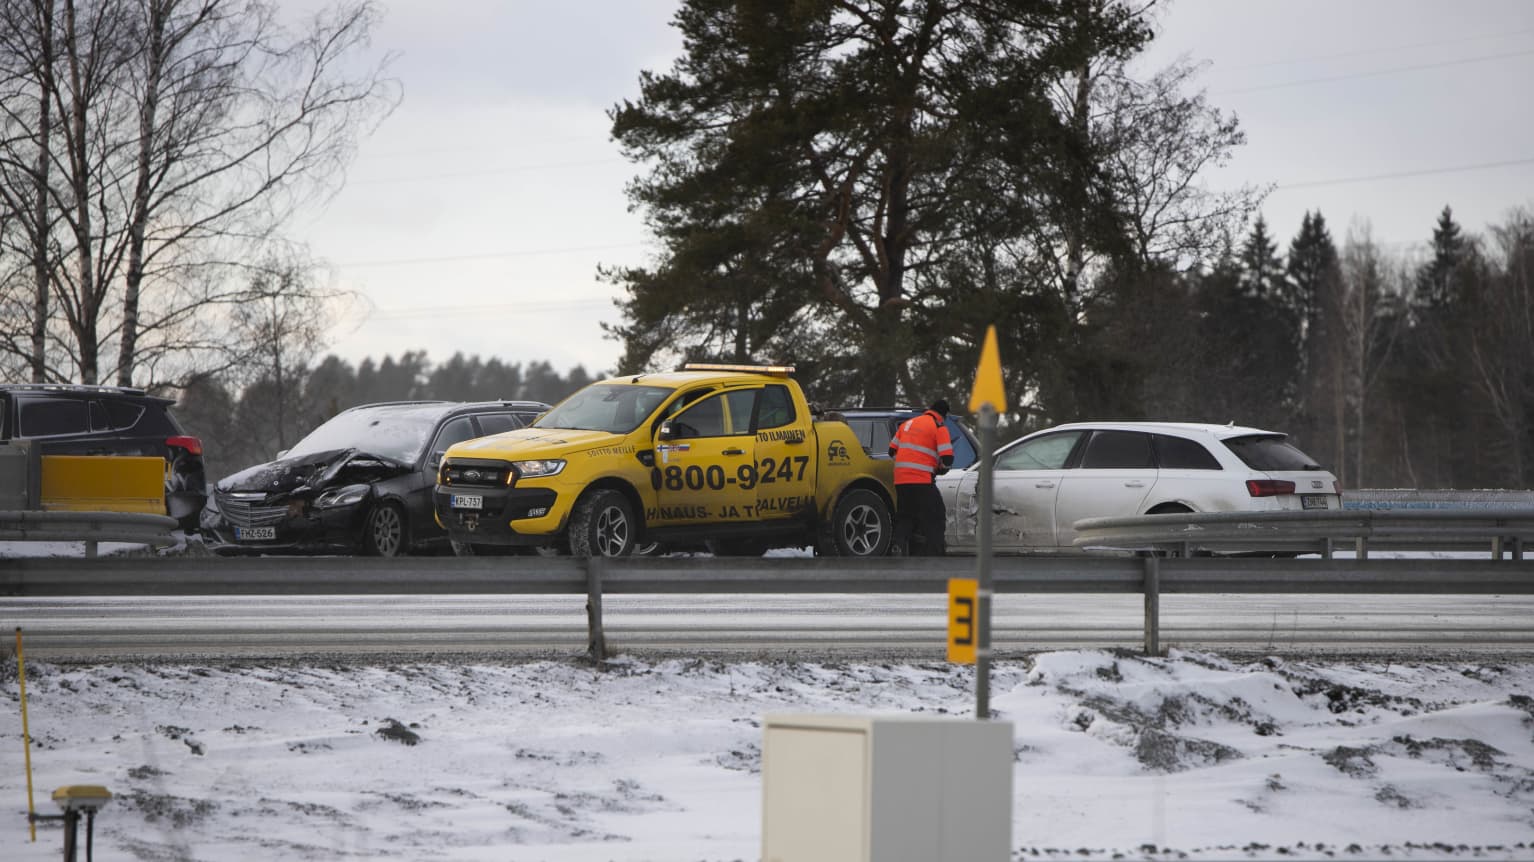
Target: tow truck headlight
{"x":536,"y":469}
{"x":350,"y":495}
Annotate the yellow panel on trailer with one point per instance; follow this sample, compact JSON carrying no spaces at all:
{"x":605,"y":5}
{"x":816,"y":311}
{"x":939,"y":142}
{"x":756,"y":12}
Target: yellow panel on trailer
{"x":103,"y":483}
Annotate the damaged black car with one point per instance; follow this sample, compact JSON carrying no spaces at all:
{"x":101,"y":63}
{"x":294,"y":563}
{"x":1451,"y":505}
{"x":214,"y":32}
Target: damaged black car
{"x":361,"y":483}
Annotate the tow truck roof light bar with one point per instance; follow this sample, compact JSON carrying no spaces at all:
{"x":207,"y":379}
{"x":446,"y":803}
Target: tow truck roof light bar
{"x":759,"y":369}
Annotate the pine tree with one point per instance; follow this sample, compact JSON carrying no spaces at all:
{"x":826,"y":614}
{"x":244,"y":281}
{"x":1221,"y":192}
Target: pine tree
{"x":812,"y":160}
{"x":1436,"y":287}
{"x":1314,"y":275}
{"x":1262,"y":275}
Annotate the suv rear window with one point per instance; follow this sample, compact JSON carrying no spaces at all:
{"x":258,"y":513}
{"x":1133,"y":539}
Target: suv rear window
{"x":1269,"y":453}
{"x":50,"y":417}
{"x":123,"y":415}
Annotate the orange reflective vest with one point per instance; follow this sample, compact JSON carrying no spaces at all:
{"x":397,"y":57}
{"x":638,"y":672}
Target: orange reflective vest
{"x":918,"y":447}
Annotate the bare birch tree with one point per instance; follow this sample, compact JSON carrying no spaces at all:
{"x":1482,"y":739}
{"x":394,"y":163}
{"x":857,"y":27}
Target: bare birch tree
{"x":1502,"y":352}
{"x":1370,"y":316}
{"x":284,"y":316}
{"x":189,"y":132}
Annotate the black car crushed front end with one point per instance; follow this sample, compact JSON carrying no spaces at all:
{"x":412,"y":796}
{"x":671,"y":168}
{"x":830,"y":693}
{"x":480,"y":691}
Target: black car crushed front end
{"x":315,"y":503}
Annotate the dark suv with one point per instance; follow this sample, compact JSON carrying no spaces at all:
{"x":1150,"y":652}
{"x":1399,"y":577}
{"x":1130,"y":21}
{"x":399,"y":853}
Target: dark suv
{"x":67,"y":419}
{"x":876,"y":425}
{"x":359,"y":483}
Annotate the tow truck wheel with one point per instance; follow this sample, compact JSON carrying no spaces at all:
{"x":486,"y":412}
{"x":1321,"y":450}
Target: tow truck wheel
{"x":603,"y":525}
{"x":861,"y":525}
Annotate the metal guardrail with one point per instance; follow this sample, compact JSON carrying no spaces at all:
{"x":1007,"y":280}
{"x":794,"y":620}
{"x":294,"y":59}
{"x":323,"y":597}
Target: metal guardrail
{"x":1500,"y":532}
{"x":1436,"y":498}
{"x":88,"y":527}
{"x":1150,"y":576}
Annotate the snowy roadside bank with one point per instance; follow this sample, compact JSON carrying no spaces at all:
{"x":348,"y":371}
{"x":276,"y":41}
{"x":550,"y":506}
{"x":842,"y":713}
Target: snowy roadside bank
{"x":1116,"y":756}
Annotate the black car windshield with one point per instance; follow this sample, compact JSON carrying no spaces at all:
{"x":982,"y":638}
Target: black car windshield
{"x":397,"y":433}
{"x":616,"y":408}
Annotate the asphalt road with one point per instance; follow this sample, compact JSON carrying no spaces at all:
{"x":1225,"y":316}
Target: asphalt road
{"x":832,"y":626}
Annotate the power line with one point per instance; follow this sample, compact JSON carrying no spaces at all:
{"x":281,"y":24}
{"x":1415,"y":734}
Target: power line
{"x":1378,"y":72}
{"x":487,"y":255}
{"x":483,"y":309}
{"x":1387,"y":50}
{"x":505,"y":169}
{"x":1481,"y":166}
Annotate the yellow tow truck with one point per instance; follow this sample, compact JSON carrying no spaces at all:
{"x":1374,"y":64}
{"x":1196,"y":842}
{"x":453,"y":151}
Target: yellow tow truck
{"x":730,"y":455}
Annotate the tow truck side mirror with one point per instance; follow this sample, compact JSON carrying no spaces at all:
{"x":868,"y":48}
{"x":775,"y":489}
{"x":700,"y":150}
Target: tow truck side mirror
{"x":666,"y":432}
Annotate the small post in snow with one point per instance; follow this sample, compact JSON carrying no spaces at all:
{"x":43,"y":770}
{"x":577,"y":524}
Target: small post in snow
{"x":596,"y":642}
{"x":987,"y":400}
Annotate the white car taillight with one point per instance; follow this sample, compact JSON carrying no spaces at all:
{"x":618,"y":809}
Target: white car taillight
{"x":1269,"y":487}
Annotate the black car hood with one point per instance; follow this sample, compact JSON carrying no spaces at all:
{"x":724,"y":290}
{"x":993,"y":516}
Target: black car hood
{"x":313,"y":473}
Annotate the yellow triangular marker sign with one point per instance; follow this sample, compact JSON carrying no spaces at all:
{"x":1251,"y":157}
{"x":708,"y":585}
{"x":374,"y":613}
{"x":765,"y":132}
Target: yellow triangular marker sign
{"x":988,"y":377}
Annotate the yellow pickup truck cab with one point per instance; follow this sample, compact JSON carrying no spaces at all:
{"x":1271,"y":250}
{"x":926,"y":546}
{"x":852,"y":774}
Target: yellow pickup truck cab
{"x":726,"y":454}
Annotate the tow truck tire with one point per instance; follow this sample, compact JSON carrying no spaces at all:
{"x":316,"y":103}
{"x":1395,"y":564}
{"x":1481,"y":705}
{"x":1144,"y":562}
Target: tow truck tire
{"x":861,"y":525}
{"x":603,"y":525}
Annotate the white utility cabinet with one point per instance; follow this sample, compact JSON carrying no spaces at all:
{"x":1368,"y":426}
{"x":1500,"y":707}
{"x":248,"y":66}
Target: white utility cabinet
{"x":848,"y":788}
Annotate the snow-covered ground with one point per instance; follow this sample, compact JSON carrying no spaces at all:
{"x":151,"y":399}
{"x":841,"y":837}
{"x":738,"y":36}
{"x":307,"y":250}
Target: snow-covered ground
{"x":1116,"y":756}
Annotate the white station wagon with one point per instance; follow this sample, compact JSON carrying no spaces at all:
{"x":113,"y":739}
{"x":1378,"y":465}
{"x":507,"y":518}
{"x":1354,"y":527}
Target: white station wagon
{"x":1047,"y":481}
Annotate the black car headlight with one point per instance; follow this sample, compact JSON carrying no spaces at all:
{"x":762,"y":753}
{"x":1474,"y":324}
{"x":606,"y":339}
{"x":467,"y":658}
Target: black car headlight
{"x":335,"y":498}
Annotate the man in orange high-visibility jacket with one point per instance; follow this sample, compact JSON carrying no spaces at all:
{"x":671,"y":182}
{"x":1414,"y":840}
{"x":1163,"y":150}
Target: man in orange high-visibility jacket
{"x":922,"y":451}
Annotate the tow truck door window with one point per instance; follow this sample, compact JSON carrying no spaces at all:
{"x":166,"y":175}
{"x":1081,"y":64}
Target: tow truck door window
{"x":705,"y":471}
{"x":785,"y":457}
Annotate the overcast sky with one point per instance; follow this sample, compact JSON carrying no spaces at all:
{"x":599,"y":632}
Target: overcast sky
{"x":475,"y":218}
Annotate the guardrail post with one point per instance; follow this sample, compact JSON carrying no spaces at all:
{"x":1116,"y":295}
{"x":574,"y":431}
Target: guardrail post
{"x":596,"y":638}
{"x":1152,"y":605}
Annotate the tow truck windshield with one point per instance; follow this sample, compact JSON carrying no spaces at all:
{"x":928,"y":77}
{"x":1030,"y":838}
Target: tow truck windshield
{"x":616,"y":408}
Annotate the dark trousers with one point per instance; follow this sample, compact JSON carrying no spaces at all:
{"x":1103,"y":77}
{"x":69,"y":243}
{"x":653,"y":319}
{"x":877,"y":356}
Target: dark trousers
{"x":919,"y":517}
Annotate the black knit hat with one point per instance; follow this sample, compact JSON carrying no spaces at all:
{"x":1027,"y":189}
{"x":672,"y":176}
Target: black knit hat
{"x":940,"y":406}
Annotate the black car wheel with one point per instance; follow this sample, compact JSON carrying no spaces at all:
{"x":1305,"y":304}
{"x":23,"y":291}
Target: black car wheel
{"x":861,"y":525}
{"x":603,"y":525}
{"x":383,"y":535}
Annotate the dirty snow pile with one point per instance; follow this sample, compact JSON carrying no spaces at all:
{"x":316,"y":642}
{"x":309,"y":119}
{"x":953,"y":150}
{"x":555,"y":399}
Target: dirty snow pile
{"x":1117,"y":756}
